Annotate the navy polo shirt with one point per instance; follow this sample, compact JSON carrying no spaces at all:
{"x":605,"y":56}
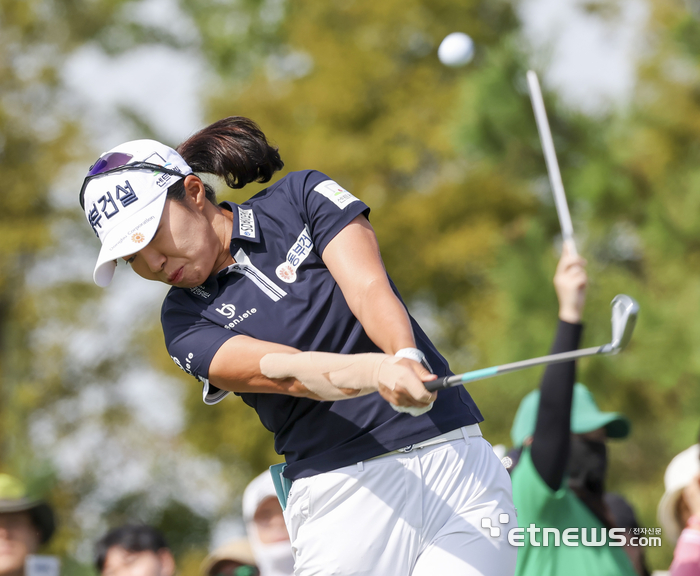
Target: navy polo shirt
{"x":279,"y":290}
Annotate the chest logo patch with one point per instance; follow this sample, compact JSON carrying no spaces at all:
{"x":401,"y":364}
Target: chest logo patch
{"x":287,"y":271}
{"x":335,"y":193}
{"x":228,"y":310}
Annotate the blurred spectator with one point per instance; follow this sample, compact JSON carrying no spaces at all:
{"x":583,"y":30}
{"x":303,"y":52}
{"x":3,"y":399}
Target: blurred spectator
{"x":25,"y":524}
{"x":134,"y":550}
{"x":560,"y":463}
{"x":267,"y":532}
{"x":679,"y":511}
{"x":234,"y":558}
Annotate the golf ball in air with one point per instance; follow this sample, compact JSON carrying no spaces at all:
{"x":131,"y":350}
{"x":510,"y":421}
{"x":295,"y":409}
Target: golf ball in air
{"x":457,"y":49}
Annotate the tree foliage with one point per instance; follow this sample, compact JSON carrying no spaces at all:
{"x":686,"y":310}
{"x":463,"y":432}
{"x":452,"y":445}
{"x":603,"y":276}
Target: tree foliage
{"x":47,"y":395}
{"x":449,"y":161}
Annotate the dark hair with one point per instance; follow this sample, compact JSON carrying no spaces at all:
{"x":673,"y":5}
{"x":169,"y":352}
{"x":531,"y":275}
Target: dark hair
{"x":43,"y":519}
{"x":234,"y":149}
{"x":131,"y":537}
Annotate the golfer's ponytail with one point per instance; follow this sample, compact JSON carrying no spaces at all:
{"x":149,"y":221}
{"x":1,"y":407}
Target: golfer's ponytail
{"x":233,"y":148}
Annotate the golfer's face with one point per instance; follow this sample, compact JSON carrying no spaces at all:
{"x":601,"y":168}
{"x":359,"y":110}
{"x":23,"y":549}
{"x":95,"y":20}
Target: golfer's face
{"x":183,"y":251}
{"x":18,"y":537}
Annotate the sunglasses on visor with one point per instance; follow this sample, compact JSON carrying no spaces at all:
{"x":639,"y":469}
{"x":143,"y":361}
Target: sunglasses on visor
{"x":118,"y":162}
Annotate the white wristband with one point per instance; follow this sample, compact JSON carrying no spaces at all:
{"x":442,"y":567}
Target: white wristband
{"x":418,"y":356}
{"x":414,"y":354}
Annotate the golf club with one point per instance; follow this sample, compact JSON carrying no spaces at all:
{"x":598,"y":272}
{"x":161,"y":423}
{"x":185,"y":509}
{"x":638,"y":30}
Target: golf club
{"x":550,"y":156}
{"x":624,"y":317}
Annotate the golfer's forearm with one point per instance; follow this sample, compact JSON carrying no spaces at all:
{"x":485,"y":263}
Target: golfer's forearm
{"x":551,"y":439}
{"x":384,"y":318}
{"x":329,"y":376}
{"x":247,"y":365}
{"x":236,"y":368}
{"x":343,"y":376}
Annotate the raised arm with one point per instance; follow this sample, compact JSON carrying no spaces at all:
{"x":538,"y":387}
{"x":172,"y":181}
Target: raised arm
{"x":354,"y":260}
{"x":551,"y":439}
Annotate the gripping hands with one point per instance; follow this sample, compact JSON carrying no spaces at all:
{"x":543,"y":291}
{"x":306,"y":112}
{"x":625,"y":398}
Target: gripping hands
{"x":342,"y":376}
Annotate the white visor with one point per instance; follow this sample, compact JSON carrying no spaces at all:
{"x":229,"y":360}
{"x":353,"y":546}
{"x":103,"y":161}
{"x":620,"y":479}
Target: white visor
{"x":124,"y":207}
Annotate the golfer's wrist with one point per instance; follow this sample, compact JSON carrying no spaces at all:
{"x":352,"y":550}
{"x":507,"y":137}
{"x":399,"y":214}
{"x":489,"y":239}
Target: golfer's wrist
{"x":410,"y":352}
{"x":570,"y":315}
{"x":414,"y":354}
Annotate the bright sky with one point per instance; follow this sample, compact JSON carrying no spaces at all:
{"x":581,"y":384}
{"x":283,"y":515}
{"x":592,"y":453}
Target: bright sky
{"x":590,"y":62}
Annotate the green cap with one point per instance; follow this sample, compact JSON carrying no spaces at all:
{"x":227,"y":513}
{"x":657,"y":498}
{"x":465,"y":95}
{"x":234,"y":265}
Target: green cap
{"x":585,"y":417}
{"x":14,"y":497}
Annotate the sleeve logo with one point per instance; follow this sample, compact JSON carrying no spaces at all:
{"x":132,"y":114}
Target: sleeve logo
{"x":287,"y":271}
{"x":335,"y":193}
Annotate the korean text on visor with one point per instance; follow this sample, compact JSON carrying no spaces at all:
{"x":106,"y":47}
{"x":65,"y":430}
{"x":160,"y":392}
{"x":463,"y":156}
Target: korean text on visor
{"x":118,"y":162}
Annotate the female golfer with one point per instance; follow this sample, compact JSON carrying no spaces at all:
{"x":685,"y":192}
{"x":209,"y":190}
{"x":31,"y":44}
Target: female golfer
{"x":284,"y":300}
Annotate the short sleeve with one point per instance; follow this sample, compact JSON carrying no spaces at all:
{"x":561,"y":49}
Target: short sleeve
{"x":326,"y":206}
{"x":192,"y":342}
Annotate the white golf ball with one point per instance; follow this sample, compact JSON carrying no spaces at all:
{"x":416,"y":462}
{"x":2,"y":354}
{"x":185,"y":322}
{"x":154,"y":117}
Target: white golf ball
{"x":457,"y":49}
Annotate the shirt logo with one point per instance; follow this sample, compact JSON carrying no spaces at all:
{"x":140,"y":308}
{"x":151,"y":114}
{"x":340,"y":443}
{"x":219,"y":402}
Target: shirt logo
{"x":247,"y":314}
{"x":246,"y":223}
{"x":188,"y":363}
{"x":335,"y":193}
{"x":228,"y":310}
{"x":200,"y":291}
{"x":287,"y":271}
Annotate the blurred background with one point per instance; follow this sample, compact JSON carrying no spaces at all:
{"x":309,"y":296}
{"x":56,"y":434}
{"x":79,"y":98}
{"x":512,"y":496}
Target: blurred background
{"x":92,"y":410}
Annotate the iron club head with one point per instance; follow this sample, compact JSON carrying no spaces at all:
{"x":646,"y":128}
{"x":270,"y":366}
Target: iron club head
{"x":624,"y":317}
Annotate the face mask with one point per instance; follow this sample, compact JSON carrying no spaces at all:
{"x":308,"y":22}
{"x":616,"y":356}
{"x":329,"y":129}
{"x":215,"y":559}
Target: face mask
{"x":272,"y":559}
{"x":588,"y":464}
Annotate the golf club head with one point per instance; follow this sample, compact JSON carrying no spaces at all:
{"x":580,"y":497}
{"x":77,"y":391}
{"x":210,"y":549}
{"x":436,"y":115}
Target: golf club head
{"x":624,"y":317}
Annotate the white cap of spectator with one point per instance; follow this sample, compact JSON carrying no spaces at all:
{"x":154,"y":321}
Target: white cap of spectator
{"x":679,"y":473}
{"x":267,"y":532}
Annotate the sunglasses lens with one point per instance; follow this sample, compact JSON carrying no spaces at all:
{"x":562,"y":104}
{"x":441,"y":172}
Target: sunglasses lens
{"x":108,"y":162}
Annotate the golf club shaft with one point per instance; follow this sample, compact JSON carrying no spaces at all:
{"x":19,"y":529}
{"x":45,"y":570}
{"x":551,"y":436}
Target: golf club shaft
{"x":457,"y":379}
{"x":550,"y":156}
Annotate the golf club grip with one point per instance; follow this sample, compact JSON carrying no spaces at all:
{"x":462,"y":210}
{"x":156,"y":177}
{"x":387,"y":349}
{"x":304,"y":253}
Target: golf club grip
{"x":439,"y":384}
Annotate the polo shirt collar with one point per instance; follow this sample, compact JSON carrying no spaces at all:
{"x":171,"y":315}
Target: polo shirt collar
{"x":245,"y":223}
{"x":245,"y":227}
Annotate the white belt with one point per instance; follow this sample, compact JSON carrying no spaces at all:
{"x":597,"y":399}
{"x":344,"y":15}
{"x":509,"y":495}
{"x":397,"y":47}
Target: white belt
{"x":471,"y":431}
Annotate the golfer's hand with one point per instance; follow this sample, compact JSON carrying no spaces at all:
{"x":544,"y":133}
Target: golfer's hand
{"x":570,"y":283}
{"x":401,"y":383}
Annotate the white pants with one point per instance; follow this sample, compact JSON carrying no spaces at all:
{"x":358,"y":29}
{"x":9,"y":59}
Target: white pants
{"x":417,"y":514}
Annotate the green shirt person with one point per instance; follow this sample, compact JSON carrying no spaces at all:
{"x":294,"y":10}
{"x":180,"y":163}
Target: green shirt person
{"x":559,"y":480}
{"x":565,"y":553}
